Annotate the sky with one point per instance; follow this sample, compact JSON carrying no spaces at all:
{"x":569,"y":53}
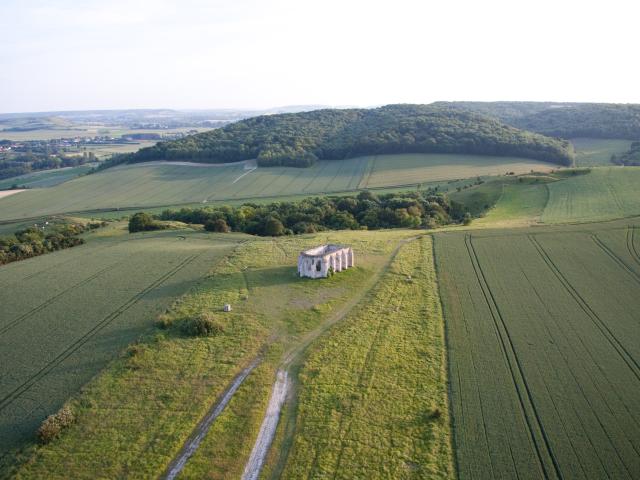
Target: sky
{"x":249,"y":54}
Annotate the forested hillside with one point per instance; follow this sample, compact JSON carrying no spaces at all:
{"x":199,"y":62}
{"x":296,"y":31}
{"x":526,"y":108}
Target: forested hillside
{"x":566,"y":120}
{"x":299,"y":139}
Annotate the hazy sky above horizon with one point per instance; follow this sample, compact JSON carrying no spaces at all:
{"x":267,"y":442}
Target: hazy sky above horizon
{"x":73,"y":55}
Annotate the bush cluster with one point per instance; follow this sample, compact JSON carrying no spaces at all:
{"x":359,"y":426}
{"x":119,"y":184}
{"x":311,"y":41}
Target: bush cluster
{"x":142,"y":222}
{"x":203,"y":325}
{"x":54,"y":424}
{"x":37,"y":240}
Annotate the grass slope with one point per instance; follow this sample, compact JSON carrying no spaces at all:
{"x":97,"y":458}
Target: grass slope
{"x":411,"y":169}
{"x":134,"y":417}
{"x":373,"y":401}
{"x":592,"y":152}
{"x":65,"y":315}
{"x":544,"y":351}
{"x":603,"y":194}
{"x":157,"y":185}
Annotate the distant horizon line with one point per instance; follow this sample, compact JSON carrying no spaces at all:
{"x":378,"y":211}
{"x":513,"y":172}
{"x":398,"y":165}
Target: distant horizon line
{"x":292,"y":106}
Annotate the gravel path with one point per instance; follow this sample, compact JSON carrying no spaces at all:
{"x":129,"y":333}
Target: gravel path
{"x":268,"y":427}
{"x":192,"y":444}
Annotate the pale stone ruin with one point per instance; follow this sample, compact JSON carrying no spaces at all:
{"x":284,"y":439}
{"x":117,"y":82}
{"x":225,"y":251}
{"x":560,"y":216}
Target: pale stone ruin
{"x":316,"y":262}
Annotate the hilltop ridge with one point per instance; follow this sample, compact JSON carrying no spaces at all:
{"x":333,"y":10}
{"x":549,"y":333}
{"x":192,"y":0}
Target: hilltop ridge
{"x":299,"y":139}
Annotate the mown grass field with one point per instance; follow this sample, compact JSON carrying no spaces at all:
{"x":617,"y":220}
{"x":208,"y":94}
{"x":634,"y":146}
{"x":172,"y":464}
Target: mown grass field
{"x":372,"y":395}
{"x":544,"y":350}
{"x":65,"y":315}
{"x":592,"y":152}
{"x":158,"y":185}
{"x":134,"y":417}
{"x":603,"y":194}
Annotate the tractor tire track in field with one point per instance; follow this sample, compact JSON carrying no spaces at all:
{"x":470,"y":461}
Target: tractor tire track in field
{"x":631,"y":246}
{"x":532,"y":418}
{"x":198,"y":434}
{"x":50,"y":300}
{"x":615,"y":258}
{"x":79,"y":343}
{"x":597,"y":321}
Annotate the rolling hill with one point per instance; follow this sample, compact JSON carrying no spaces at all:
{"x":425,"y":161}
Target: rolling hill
{"x":566,"y":120}
{"x":300,"y":139}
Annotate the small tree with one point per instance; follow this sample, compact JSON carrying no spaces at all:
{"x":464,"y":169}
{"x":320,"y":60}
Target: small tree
{"x":273,"y":227}
{"x":141,"y":222}
{"x":217,"y":225}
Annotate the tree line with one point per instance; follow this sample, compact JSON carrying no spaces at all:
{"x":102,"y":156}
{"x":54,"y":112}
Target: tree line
{"x":300,"y":139}
{"x":15,"y":164}
{"x":38,"y":240}
{"x":364,"y":211}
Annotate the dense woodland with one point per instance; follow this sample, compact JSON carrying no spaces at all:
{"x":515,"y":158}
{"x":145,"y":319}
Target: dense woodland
{"x":630,"y":158}
{"x":566,"y":120}
{"x":37,"y":240}
{"x":299,"y":139}
{"x":364,"y":211}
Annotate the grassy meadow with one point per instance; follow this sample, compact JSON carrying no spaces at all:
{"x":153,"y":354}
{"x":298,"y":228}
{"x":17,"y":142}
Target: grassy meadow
{"x":135,"y":416}
{"x":142,"y":185}
{"x":550,"y":312}
{"x":372,"y":394}
{"x":65,"y":315}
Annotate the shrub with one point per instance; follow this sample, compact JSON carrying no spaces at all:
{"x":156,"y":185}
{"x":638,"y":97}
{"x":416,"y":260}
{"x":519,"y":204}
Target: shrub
{"x":54,"y":424}
{"x":141,"y":222}
{"x":217,"y":225}
{"x":204,"y":325}
{"x":164,"y":321}
{"x":273,"y":227}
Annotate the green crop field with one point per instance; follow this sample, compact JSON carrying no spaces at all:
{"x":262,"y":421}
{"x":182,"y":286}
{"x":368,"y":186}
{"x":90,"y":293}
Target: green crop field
{"x":66,"y":314}
{"x":603,"y":194}
{"x":373,"y":400}
{"x":419,"y":168}
{"x":157,"y":185}
{"x":591,"y":152}
{"x":544,"y":350}
{"x":45,"y":178}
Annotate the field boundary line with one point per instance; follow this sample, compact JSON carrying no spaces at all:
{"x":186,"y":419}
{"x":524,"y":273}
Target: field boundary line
{"x":79,"y":343}
{"x":602,"y":326}
{"x":615,"y":258}
{"x":366,"y":175}
{"x":505,"y":339}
